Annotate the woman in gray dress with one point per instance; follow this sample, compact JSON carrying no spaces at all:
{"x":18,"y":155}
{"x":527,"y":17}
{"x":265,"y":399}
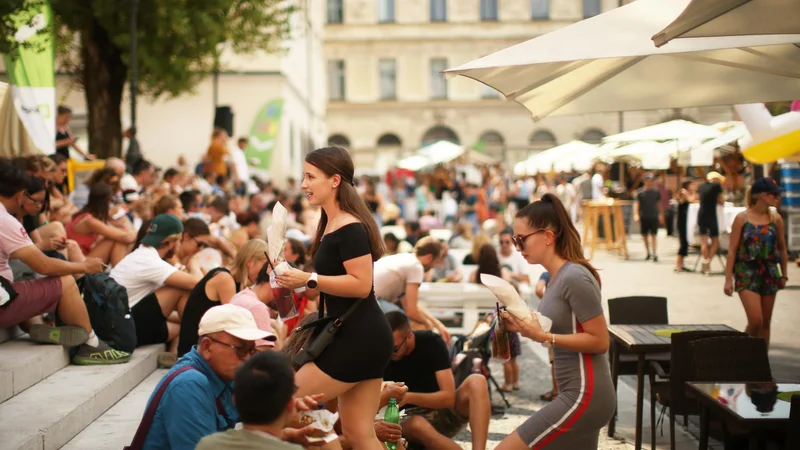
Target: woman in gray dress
{"x":545,"y":235}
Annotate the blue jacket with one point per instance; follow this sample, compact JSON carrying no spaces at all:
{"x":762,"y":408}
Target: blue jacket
{"x":188,"y":410}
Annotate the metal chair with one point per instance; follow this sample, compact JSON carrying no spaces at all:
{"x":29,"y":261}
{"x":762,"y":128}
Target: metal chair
{"x":670,"y":391}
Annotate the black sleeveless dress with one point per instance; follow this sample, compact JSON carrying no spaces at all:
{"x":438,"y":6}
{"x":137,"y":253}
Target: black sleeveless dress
{"x":363,"y":346}
{"x":196,"y":305}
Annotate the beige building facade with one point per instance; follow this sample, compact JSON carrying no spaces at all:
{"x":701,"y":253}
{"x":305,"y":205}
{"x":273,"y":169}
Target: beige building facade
{"x":387,"y":98}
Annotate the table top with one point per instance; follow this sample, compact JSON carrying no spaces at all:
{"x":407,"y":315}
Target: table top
{"x":749,"y":403}
{"x":642,"y":339}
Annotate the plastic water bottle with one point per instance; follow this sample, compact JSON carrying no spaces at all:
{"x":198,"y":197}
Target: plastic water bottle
{"x":392,"y":416}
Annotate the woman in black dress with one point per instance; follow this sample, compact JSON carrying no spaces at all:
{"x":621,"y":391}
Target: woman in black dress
{"x":685,"y":196}
{"x":345,"y":247}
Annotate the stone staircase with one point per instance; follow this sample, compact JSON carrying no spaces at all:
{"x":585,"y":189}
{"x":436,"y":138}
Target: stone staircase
{"x":46,"y":403}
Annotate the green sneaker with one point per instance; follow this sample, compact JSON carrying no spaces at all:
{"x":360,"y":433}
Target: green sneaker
{"x":68,"y":335}
{"x":100,"y":355}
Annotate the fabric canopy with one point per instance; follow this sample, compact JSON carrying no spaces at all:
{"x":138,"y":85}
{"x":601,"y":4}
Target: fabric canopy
{"x":443,"y":152}
{"x":711,"y":18}
{"x":666,"y":131}
{"x":608,"y":63}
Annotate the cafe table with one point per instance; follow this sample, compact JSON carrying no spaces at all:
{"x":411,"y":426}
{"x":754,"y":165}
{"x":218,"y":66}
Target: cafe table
{"x":644,"y":340}
{"x":757,"y":408}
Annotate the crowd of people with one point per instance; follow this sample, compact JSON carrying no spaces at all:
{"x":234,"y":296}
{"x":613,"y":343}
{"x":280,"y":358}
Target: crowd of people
{"x":188,"y":247}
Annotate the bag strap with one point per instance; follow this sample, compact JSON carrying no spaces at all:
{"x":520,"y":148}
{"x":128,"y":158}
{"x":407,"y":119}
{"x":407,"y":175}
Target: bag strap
{"x":150,"y":413}
{"x":325,"y":319}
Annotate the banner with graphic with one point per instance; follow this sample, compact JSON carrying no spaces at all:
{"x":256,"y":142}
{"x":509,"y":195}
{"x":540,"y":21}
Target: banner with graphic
{"x":31,"y":73}
{"x":263,"y":135}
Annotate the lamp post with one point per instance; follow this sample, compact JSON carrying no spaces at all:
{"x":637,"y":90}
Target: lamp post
{"x":134,"y":154}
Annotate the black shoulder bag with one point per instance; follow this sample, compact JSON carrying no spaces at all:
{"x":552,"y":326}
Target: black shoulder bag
{"x":314,"y":346}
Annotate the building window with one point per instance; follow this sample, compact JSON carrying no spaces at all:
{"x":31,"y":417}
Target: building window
{"x":385,"y":11}
{"x":540,"y":9}
{"x":542,"y":140}
{"x":488,"y":9}
{"x":387,"y":69}
{"x":338,"y":140}
{"x":438,"y":83}
{"x":593,"y":136}
{"x":489,"y":92}
{"x":592,"y":8}
{"x":438,"y":10}
{"x":335,"y":11}
{"x":336,"y":80}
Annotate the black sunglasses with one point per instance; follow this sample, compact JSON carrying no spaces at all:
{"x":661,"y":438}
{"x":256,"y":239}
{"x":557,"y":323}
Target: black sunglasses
{"x":398,"y":347}
{"x":519,"y":239}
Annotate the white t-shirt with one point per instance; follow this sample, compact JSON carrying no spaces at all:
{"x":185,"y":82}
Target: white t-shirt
{"x":128,"y":183}
{"x":597,"y":187}
{"x":392,"y":273}
{"x":142,"y":272}
{"x":566,"y":193}
{"x":12,"y":238}
{"x":514,"y":262}
{"x":240,"y":164}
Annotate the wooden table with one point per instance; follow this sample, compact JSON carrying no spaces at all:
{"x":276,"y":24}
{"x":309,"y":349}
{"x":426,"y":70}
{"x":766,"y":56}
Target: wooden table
{"x":641,"y":340}
{"x":610,"y":210}
{"x":733,"y":404}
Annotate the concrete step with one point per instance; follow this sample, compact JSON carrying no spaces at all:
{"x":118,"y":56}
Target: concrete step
{"x":7,"y":334}
{"x":24,"y":363}
{"x":46,"y":416}
{"x":115,"y":428}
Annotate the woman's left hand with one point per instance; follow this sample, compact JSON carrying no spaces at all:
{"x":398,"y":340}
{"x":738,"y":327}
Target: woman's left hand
{"x":530,"y":329}
{"x":293,"y":279}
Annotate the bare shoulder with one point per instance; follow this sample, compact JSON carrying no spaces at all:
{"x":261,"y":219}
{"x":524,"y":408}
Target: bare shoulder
{"x":348,"y":219}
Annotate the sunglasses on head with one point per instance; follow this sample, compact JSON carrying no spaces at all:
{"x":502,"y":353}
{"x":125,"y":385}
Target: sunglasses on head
{"x":519,"y":239}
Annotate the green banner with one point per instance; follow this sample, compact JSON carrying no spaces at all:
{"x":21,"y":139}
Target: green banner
{"x":263,"y":135}
{"x":31,"y":72}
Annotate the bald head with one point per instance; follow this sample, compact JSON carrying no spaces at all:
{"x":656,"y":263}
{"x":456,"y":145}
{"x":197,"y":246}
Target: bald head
{"x":116,"y":164}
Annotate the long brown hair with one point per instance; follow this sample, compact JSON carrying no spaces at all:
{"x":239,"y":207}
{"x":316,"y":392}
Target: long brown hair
{"x":549,"y":213}
{"x":336,"y":161}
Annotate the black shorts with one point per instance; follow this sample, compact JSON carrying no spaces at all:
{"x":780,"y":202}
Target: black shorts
{"x":708,"y":227}
{"x":151,"y":325}
{"x":648,"y":226}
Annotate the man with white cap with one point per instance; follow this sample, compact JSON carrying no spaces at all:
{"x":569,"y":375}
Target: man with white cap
{"x":194,"y":399}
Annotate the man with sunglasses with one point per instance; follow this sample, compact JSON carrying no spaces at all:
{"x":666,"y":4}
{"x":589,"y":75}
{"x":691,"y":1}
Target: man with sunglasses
{"x":199,"y":400}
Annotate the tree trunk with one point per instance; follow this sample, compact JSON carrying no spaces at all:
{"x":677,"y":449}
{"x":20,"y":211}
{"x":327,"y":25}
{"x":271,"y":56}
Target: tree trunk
{"x":104,"y":75}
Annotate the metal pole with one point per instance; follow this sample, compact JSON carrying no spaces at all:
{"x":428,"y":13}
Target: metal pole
{"x":216,"y":86}
{"x":134,"y":154}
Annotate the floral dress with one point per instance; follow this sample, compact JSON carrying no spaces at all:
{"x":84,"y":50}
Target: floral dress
{"x":756,"y":268}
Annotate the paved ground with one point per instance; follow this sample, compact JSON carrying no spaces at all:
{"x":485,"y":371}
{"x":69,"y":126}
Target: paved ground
{"x":693,"y":298}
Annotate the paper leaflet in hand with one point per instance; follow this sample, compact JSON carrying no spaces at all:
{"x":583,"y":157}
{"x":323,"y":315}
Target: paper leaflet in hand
{"x":276,"y":241}
{"x":514,"y":304}
{"x":323,"y":420}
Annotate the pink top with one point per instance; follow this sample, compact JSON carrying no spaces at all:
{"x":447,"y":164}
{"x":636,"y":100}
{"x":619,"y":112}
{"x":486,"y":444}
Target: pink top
{"x":85,"y":241}
{"x":12,"y":238}
{"x":248,"y":300}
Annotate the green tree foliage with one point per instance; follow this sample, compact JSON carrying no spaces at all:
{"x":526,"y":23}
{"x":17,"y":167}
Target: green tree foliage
{"x":179,"y":42}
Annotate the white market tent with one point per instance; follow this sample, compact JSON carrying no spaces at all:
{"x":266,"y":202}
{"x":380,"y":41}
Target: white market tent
{"x":667,"y":131}
{"x":441,"y":152}
{"x":545,"y":161}
{"x":702,"y":155}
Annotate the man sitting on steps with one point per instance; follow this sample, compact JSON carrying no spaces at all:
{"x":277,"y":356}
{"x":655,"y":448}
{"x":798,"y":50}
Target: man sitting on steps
{"x":435,"y":409}
{"x":57,"y":292}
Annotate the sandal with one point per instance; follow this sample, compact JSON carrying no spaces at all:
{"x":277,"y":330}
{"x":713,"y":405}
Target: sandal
{"x":548,"y":396}
{"x":515,"y":386}
{"x":507,"y":388}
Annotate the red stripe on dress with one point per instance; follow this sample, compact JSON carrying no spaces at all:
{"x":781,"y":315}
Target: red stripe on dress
{"x":586,"y":398}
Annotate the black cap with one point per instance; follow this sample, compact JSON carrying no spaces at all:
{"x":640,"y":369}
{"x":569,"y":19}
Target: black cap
{"x":766,"y":185}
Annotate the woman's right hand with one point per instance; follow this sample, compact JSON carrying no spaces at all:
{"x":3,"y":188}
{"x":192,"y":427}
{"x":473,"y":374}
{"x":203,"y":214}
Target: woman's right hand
{"x":129,"y":237}
{"x":728,"y":287}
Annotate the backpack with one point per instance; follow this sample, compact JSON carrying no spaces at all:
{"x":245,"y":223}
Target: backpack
{"x":107,"y":304}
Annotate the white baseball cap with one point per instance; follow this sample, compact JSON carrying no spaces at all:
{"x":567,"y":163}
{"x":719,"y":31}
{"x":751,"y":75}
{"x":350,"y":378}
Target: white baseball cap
{"x":232,"y":319}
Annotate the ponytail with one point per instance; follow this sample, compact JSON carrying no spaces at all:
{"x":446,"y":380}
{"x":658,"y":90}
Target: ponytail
{"x":550,"y":213}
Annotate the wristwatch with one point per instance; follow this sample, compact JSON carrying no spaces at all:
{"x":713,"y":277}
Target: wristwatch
{"x":551,"y":343}
{"x":312,"y":281}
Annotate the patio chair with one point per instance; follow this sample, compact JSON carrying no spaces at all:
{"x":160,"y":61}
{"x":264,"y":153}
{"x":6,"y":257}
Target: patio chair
{"x":730,"y":359}
{"x":793,"y":430}
{"x":637,"y":310}
{"x":668,"y":389}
